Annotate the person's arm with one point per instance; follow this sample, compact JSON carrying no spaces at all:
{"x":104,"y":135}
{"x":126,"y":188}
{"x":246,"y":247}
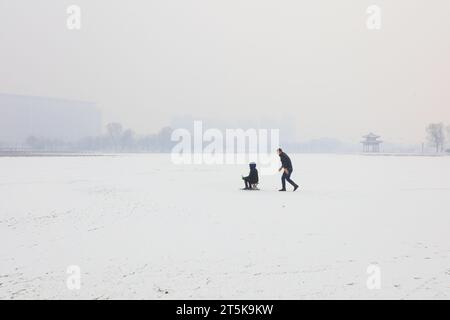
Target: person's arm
{"x":283,"y":162}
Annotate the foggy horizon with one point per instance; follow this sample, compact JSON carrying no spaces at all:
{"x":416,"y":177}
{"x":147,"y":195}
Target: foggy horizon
{"x":55,"y":119}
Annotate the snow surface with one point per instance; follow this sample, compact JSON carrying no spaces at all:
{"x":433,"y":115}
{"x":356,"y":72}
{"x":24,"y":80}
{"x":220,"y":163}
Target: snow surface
{"x":140,"y":227}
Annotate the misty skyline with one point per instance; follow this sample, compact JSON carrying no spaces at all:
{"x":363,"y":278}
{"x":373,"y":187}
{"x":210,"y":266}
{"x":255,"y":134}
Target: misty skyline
{"x":23,"y":117}
{"x":311,"y":67}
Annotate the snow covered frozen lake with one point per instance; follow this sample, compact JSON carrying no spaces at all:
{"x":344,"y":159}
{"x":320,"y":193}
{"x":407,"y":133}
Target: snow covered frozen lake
{"x":141,"y":227}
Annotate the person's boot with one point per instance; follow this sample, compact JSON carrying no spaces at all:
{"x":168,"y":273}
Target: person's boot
{"x":296,"y":187}
{"x":282,"y":189}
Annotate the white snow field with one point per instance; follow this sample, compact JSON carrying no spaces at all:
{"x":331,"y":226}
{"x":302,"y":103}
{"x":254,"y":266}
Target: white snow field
{"x":140,"y":227}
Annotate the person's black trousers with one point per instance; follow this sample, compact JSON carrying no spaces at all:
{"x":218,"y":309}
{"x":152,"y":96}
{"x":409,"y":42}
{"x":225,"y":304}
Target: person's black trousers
{"x":248,"y":184}
{"x":287,"y":177}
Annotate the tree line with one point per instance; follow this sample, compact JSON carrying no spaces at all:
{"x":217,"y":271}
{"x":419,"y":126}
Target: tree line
{"x":116,"y":139}
{"x":119,"y":139}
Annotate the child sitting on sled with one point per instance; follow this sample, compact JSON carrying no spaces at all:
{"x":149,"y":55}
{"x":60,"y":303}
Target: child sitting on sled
{"x":251,"y":181}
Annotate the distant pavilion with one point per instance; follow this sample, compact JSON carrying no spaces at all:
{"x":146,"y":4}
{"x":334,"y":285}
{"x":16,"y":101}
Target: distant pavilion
{"x":371,"y":143}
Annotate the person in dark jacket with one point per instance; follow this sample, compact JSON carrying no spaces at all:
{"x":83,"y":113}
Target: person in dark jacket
{"x":286,"y":167}
{"x":252,"y":178}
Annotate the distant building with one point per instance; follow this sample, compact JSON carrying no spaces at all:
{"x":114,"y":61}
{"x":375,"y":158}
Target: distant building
{"x":371,"y":143}
{"x":59,"y":119}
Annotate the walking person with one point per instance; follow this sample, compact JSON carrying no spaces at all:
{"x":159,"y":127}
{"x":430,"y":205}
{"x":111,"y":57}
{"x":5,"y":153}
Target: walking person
{"x":286,"y":167}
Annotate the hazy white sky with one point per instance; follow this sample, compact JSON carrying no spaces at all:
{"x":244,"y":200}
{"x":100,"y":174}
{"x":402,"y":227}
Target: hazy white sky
{"x":312,"y":62}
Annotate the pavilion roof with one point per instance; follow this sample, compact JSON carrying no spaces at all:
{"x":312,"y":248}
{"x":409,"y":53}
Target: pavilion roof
{"x":371,"y":135}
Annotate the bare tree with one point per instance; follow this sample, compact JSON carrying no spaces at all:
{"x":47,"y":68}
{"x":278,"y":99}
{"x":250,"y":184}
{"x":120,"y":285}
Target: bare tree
{"x":164,"y":141}
{"x":128,"y":140}
{"x":114,"y":132}
{"x":448,"y":136}
{"x":436,"y":136}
